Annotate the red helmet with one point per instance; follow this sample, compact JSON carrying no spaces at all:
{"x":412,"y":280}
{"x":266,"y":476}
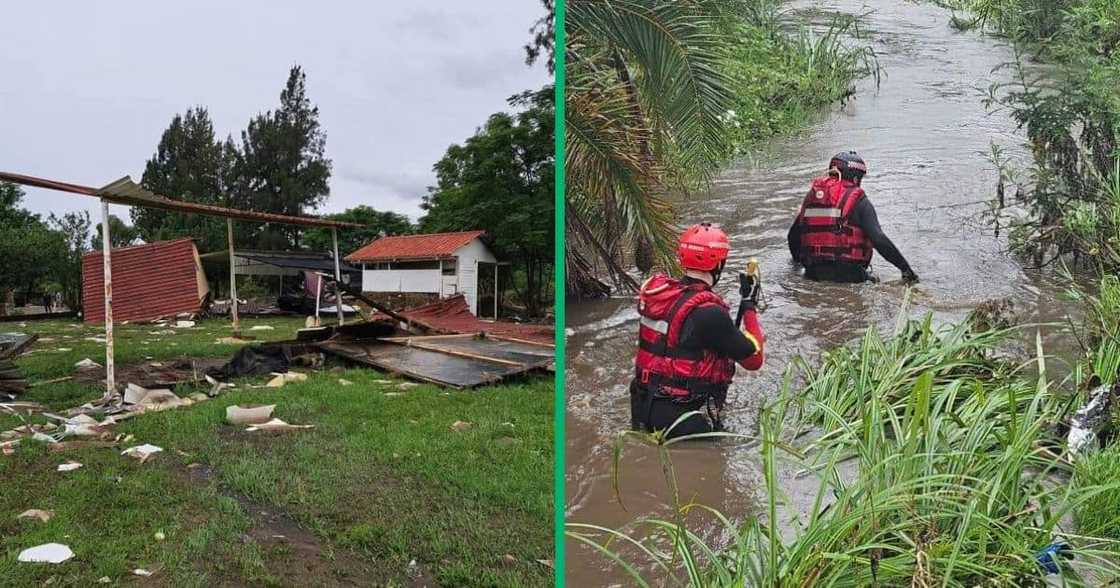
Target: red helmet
{"x":703,"y":247}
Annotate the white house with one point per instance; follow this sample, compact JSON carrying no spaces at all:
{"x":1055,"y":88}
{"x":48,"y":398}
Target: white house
{"x":439,"y":263}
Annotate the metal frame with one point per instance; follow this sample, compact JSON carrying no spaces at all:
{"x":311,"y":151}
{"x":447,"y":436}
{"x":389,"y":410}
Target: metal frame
{"x":126,"y":192}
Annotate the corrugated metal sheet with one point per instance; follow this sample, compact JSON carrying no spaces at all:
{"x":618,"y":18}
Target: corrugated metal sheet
{"x":430,"y":246}
{"x":149,"y":281}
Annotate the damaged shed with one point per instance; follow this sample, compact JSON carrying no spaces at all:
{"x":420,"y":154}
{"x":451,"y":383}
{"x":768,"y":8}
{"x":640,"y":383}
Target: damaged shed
{"x":149,"y":281}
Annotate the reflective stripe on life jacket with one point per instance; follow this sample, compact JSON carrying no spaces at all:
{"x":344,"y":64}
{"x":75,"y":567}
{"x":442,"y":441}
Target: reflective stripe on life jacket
{"x":827,"y":236}
{"x":661,"y":365}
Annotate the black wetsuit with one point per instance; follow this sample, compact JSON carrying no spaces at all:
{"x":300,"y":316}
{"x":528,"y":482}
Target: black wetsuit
{"x":706,"y":328}
{"x":863,"y":215}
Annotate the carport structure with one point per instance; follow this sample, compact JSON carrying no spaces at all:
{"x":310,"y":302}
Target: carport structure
{"x":128,"y":193}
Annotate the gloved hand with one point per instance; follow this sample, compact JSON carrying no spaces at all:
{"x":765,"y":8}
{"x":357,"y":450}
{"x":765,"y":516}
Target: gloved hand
{"x":910,"y":277}
{"x":749,"y":289}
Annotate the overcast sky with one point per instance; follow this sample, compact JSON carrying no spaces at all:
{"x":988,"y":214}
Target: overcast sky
{"x":87,"y":88}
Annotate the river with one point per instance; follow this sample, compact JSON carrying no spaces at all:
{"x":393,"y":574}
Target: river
{"x":924,"y":133}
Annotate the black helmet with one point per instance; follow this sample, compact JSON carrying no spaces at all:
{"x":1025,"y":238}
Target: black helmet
{"x":849,"y":164}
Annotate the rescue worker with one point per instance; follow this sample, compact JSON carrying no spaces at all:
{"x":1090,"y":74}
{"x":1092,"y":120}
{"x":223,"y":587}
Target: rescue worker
{"x":837,"y":228}
{"x":688,"y":344}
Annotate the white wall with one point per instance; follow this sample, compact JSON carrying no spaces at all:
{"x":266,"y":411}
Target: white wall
{"x":428,"y":280}
{"x":469,"y":255}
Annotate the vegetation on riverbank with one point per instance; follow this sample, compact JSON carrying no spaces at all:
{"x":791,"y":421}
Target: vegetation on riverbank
{"x":938,"y":459}
{"x":660,"y":96}
{"x":1070,"y":194}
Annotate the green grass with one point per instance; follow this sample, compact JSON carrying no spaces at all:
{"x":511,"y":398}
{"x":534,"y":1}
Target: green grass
{"x":1099,"y":515}
{"x":135,"y":343}
{"x":379,"y":482}
{"x":934,"y":464}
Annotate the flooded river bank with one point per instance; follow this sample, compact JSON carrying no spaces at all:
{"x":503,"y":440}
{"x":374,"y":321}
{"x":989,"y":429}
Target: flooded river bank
{"x":924,"y":134}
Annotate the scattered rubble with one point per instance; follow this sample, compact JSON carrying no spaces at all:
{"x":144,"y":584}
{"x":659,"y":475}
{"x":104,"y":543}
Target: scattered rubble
{"x":52,"y":553}
{"x":278,"y":425}
{"x":87,"y":363}
{"x":243,"y":415}
{"x":35,"y":513}
{"x":279,"y":379}
{"x":69,"y":466}
{"x":142,"y":452}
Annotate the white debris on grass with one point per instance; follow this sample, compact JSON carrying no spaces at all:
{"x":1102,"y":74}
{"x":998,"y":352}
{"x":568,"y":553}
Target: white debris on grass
{"x":249,"y":415}
{"x":278,"y":425}
{"x":279,"y":379}
{"x":87,"y":363}
{"x":69,"y":466}
{"x":142,"y":452}
{"x":183,"y":324}
{"x":35,"y":513}
{"x":47,"y":553}
{"x":262,"y":328}
{"x":345,"y":382}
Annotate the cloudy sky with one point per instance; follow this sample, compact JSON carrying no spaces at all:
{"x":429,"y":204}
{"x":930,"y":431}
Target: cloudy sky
{"x":87,"y":88}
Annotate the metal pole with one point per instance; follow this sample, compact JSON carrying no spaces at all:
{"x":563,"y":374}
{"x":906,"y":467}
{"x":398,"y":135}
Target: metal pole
{"x":232,"y":281}
{"x":495,"y":290}
{"x":337,"y":276}
{"x":110,"y":377}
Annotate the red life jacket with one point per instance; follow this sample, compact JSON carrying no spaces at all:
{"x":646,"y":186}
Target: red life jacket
{"x":826,"y":235}
{"x":661,"y":365}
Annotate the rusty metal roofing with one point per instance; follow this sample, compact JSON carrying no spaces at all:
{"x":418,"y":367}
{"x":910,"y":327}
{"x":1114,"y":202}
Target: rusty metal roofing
{"x":149,"y":281}
{"x":430,"y":246}
{"x":125,"y":191}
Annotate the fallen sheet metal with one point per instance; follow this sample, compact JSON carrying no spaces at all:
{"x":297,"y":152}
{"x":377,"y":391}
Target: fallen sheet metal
{"x":13,"y":344}
{"x":458,"y":361}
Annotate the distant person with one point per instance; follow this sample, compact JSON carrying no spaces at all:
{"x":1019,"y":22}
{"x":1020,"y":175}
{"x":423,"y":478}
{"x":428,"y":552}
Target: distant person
{"x":837,"y":227}
{"x":48,"y":302}
{"x":688,"y":344}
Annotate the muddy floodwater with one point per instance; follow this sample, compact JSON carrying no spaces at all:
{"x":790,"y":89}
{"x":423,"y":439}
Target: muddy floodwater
{"x":925,"y":134}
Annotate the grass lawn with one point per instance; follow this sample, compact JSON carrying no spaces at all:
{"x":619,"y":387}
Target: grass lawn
{"x":381,"y":492}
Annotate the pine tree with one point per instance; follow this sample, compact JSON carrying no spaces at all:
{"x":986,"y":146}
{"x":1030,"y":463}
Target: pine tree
{"x":188,"y":165}
{"x":281,"y":166}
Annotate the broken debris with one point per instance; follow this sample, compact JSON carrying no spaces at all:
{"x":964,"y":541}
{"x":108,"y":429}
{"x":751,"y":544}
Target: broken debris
{"x":47,"y":553}
{"x":142,"y":452}
{"x":87,"y":363}
{"x":69,"y":466}
{"x":279,"y":379}
{"x":244,"y":415}
{"x":278,"y":425}
{"x":35,"y":513}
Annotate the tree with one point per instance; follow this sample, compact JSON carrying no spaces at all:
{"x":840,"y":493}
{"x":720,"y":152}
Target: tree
{"x":543,"y":38}
{"x":120,"y":233}
{"x":643,"y":117}
{"x":74,"y":229}
{"x":189,"y":165}
{"x":377,"y":224}
{"x":501,"y":181}
{"x":281,"y":166}
{"x":29,"y":250}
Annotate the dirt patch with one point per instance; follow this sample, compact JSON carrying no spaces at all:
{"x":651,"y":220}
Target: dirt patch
{"x":294,"y":555}
{"x":154,"y":374}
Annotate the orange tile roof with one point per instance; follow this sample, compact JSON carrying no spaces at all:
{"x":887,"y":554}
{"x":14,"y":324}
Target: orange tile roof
{"x":431,"y":246}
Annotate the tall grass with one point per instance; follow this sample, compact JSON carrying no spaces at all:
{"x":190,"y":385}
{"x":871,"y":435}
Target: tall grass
{"x":936,"y":465}
{"x":1071,"y":115}
{"x":784,"y":70}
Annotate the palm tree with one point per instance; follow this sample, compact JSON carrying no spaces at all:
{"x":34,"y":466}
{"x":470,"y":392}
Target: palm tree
{"x":646,"y":93}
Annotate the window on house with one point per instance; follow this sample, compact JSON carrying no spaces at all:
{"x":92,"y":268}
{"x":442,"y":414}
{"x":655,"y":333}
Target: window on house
{"x":416,"y":265}
{"x":449,"y":266}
